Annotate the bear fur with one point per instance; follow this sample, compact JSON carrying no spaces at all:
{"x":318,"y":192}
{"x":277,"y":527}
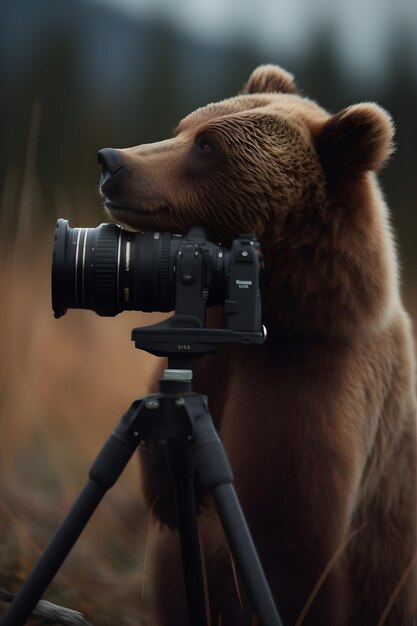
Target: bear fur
{"x":319,"y":423}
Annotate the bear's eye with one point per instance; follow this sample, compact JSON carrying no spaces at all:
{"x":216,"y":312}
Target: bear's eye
{"x":204,"y":144}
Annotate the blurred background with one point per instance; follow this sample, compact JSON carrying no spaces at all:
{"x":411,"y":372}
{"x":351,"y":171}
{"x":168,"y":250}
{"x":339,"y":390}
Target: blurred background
{"x":79,"y":75}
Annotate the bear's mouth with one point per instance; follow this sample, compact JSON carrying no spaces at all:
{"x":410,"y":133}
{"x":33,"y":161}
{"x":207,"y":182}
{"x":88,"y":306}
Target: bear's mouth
{"x":122,"y":213}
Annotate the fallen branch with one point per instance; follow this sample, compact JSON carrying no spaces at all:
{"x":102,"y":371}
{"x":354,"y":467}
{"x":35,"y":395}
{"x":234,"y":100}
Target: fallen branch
{"x":51,"y":612}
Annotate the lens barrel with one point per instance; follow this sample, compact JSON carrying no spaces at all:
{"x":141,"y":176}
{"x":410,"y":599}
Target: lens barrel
{"x":108,"y":269}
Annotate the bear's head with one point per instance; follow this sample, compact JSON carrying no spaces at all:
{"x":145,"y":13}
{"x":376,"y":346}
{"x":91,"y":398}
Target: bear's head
{"x":274,"y":163}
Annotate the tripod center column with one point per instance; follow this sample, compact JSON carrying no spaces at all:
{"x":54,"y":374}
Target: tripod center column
{"x":176,"y":379}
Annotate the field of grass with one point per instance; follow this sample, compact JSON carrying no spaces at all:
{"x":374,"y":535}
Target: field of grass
{"x":64,"y":385}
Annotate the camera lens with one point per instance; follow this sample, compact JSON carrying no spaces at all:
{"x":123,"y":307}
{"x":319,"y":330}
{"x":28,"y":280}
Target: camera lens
{"x":109,"y":270}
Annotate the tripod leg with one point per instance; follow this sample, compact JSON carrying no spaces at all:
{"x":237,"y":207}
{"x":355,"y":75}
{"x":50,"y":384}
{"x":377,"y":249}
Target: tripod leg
{"x":215,"y":473}
{"x":181,"y":469}
{"x":104,"y":472}
{"x":54,"y":555}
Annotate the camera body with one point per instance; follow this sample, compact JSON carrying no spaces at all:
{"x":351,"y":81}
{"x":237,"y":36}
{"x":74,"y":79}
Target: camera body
{"x":242,"y":289}
{"x":108,"y":270}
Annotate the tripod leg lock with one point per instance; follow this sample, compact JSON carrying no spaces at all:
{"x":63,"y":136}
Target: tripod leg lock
{"x":212,"y":465}
{"x":110,"y":462}
{"x":118,"y":449}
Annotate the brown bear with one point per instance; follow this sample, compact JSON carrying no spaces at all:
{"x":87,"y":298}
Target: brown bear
{"x":319,"y":423}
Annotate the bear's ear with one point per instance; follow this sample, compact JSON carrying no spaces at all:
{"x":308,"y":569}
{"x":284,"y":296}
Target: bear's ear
{"x":270,"y":79}
{"x":356,"y":139}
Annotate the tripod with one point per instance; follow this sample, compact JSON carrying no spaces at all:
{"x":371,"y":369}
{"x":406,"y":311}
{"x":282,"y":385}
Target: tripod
{"x":178,"y":416}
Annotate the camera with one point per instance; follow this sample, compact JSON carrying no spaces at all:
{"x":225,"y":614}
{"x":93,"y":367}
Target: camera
{"x":108,"y":270}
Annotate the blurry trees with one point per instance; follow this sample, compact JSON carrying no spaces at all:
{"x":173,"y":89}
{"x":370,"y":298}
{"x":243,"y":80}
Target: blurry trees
{"x":103,"y":79}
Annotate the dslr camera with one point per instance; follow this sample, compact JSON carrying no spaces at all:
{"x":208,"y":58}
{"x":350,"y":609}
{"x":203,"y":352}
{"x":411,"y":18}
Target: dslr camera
{"x":108,"y":270}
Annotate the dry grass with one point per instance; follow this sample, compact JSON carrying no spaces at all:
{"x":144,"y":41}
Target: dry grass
{"x":63,"y":386}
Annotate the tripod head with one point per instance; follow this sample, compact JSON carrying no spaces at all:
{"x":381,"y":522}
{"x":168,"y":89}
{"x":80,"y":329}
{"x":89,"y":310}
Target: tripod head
{"x":184,"y":336}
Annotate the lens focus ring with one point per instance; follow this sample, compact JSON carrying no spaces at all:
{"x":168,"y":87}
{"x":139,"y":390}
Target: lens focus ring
{"x":164,"y":276}
{"x":106,"y":270}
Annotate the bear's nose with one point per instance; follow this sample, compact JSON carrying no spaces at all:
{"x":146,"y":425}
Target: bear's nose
{"x":110,"y":160}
